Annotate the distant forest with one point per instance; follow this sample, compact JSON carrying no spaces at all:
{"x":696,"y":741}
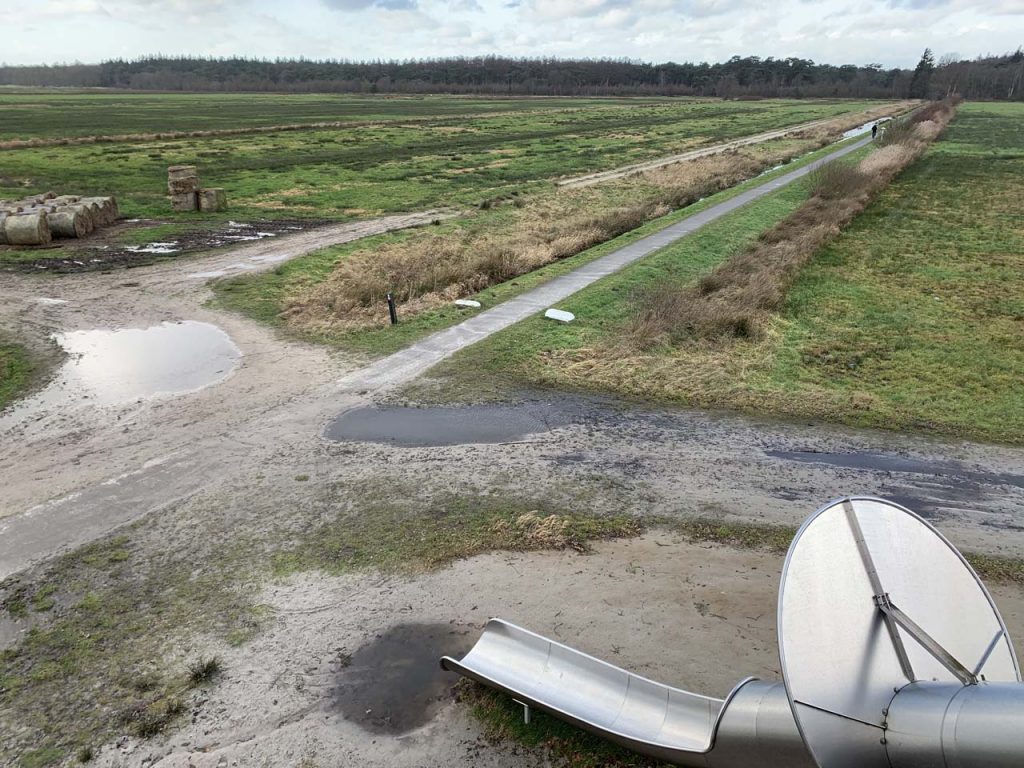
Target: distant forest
{"x":989,"y":77}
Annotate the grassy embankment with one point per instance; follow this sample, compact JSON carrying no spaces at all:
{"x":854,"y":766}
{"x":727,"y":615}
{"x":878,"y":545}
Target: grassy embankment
{"x":909,"y":320}
{"x":412,"y":155}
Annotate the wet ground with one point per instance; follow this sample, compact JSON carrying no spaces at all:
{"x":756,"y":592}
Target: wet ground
{"x":395,"y":684}
{"x":459,"y":425}
{"x":105,"y":367}
{"x":103,"y":251}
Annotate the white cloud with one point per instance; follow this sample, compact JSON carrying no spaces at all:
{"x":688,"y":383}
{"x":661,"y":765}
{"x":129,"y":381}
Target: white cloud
{"x":893,"y":32}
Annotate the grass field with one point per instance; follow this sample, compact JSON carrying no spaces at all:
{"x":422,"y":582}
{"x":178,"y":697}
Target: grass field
{"x":910,"y":320}
{"x":417,"y":156}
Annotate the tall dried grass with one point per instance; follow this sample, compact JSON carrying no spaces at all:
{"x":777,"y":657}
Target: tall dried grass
{"x":738,"y":298}
{"x":428,"y":270}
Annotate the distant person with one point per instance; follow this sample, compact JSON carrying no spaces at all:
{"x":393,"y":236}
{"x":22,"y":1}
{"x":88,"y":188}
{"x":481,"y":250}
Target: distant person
{"x":874,"y":131}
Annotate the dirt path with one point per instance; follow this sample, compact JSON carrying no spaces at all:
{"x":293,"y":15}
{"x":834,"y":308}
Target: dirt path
{"x":650,"y":165}
{"x":74,"y":473}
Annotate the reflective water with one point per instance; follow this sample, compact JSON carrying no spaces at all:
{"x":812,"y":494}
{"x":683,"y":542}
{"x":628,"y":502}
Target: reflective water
{"x":112,"y":367}
{"x":437,"y":426}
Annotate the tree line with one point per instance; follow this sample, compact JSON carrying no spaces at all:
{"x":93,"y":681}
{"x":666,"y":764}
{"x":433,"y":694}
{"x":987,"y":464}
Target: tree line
{"x":988,"y":77}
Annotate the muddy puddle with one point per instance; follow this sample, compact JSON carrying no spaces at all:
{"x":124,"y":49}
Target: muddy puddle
{"x":940,"y":486}
{"x":102,"y":252}
{"x":113,"y":367}
{"x":395,"y":684}
{"x":458,"y":425}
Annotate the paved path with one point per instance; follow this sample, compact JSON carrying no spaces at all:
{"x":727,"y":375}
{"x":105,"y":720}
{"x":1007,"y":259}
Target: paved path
{"x":405,"y":365}
{"x":759,"y":138}
{"x":95,"y":509}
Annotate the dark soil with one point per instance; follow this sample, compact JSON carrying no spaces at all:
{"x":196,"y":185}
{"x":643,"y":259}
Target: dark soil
{"x":99,"y":253}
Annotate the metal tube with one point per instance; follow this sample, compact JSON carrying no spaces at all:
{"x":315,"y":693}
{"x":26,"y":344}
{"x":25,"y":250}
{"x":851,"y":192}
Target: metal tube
{"x":945,"y":725}
{"x":757,"y":730}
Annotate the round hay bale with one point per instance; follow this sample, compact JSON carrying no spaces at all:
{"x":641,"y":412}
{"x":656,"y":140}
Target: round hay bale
{"x":69,"y":223}
{"x":27,"y":229}
{"x":85,"y":212}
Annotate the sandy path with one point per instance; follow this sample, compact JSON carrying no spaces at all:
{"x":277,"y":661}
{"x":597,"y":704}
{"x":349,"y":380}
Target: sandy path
{"x":650,"y":165}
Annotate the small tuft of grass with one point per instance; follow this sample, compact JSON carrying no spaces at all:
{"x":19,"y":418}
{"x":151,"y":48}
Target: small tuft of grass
{"x":149,"y":718}
{"x":203,"y":671}
{"x":85,"y":754}
{"x":566,"y":745}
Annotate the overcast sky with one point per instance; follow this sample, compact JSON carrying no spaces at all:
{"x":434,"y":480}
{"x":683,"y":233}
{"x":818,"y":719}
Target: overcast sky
{"x":889,"y":32}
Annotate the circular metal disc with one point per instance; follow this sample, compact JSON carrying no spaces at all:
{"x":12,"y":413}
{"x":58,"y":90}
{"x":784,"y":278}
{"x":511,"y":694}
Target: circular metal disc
{"x":840,"y":662}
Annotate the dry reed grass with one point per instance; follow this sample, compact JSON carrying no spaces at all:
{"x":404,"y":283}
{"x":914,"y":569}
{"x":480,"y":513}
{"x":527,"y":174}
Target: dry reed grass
{"x":737,"y":299}
{"x":426,"y":271}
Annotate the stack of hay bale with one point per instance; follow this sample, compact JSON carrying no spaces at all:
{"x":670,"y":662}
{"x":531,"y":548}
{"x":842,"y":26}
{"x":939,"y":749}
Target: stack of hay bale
{"x":38,"y":220}
{"x":186,"y":194}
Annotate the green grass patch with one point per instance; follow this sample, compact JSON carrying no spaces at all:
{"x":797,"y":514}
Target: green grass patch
{"x":17,"y":371}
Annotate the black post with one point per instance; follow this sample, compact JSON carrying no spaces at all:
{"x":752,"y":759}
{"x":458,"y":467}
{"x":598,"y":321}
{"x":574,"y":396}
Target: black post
{"x":391,"y":310}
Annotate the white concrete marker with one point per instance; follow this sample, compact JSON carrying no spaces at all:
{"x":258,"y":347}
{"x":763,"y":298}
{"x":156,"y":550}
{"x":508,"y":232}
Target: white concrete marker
{"x":467,"y":303}
{"x":560,"y":315}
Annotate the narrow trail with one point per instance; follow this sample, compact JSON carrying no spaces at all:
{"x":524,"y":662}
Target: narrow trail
{"x":590,"y":179}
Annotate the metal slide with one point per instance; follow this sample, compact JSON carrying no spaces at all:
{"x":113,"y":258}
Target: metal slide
{"x":893,"y":656}
{"x":647,"y":717}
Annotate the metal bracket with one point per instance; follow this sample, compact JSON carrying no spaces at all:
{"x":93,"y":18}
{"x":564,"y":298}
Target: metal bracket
{"x":876,"y":587}
{"x":526,"y":710}
{"x":926,"y":641}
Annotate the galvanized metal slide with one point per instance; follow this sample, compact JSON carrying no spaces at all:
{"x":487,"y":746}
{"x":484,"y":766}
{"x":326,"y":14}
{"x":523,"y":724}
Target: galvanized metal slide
{"x":647,"y":717}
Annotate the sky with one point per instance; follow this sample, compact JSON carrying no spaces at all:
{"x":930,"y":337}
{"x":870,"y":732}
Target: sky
{"x":887,"y":32}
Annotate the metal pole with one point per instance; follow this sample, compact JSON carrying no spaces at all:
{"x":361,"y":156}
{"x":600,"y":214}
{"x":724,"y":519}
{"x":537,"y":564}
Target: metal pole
{"x":392,"y":310}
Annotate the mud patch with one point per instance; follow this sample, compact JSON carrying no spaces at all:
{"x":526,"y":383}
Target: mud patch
{"x":113,"y":367}
{"x":459,"y":425}
{"x":94,"y":254}
{"x":395,"y":684}
{"x":951,"y":472}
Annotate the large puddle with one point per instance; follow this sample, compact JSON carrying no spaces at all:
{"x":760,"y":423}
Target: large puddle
{"x":395,"y":683}
{"x":115,"y":367}
{"x":425,"y":427}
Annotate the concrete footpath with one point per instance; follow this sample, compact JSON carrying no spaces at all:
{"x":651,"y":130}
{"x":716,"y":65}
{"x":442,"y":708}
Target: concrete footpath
{"x":405,"y":365}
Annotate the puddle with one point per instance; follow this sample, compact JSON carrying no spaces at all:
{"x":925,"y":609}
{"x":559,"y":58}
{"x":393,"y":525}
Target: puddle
{"x":426,"y":427}
{"x":112,"y":367}
{"x":160,"y":248}
{"x":880,"y":462}
{"x":395,"y":684}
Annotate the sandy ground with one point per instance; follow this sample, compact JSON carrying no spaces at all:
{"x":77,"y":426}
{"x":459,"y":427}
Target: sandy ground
{"x":698,"y":617}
